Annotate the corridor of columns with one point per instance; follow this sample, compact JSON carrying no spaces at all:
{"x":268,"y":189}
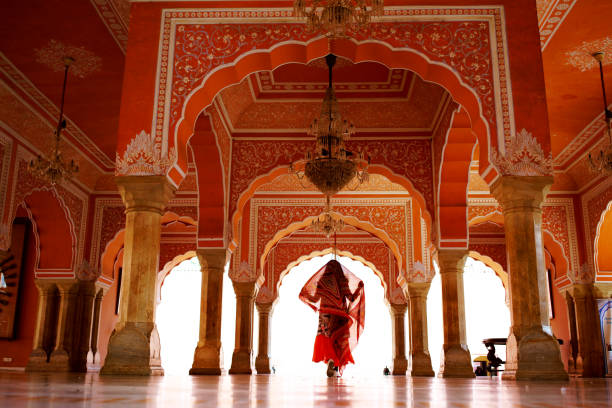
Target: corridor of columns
{"x":451,"y":156}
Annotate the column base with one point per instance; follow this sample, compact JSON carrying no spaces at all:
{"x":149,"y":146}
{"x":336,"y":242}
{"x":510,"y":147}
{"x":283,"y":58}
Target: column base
{"x":37,"y":361}
{"x":93,"y":361}
{"x":241,"y":362}
{"x":535,"y":357}
{"x":420,"y":365}
{"x":59,"y":360}
{"x":400,"y":366}
{"x":206,"y":361}
{"x":134,"y":350}
{"x":262,"y":365}
{"x":456,"y":362}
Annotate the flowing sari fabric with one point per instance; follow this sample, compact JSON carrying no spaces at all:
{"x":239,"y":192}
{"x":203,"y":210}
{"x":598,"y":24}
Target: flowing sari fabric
{"x":336,"y":294}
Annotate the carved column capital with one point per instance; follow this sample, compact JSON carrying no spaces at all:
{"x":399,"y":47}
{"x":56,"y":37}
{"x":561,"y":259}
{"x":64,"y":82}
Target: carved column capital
{"x":145,"y":193}
{"x":398,"y":308}
{"x":213,"y":258}
{"x":451,"y":260}
{"x":512,"y":192}
{"x":417,"y":289}
{"x":264,"y":307}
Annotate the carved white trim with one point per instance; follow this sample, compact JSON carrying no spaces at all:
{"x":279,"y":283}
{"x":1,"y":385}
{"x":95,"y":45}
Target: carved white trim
{"x":419,"y":273}
{"x":524,"y":157}
{"x":143,"y":157}
{"x":244,"y":273}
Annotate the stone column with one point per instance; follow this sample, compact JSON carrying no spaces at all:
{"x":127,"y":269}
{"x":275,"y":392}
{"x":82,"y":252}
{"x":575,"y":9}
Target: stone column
{"x":134,"y":345}
{"x":398,"y":315}
{"x":44,"y":322}
{"x":420,"y":360}
{"x":82,"y":325}
{"x":589,"y":361}
{"x":262,"y":362}
{"x":532,"y":353}
{"x":571,"y":315}
{"x":243,"y":350}
{"x":93,"y":356}
{"x":60,"y":357}
{"x":207,"y":356}
{"x":456,"y":359}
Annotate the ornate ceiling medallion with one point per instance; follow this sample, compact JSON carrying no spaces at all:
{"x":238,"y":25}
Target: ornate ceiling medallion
{"x":53,"y":169}
{"x":336,"y":17}
{"x":602,"y":162}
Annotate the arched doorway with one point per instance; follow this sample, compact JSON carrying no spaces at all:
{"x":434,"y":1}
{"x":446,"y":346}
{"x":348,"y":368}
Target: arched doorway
{"x":294,"y":325}
{"x":177,"y":317}
{"x":486,"y":313}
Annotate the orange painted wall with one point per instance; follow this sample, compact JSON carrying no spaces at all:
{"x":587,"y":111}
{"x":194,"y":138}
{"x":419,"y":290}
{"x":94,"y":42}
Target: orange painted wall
{"x":560,"y":324}
{"x":20,"y":347}
{"x":108,"y":318}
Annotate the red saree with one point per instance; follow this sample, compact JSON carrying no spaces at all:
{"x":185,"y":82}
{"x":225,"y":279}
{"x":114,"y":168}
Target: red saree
{"x":338,"y":296}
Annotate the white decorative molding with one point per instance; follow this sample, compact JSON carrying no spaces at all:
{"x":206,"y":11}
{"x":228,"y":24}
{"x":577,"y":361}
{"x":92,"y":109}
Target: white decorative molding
{"x":524,"y":157}
{"x":243,"y":273}
{"x":419,"y":273}
{"x":143,"y":157}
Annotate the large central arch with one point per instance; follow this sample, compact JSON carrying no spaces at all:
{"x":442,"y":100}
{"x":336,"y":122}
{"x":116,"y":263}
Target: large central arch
{"x":356,"y":51}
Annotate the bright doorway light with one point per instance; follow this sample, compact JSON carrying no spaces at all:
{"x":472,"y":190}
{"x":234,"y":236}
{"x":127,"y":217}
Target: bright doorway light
{"x":294,"y":325}
{"x":486,"y":312}
{"x":178,"y":317}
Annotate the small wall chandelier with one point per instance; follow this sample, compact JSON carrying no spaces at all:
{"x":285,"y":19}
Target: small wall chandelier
{"x":336,"y":17}
{"x":602,"y":163}
{"x":327,"y":224}
{"x":331,"y":166}
{"x":54,"y":169}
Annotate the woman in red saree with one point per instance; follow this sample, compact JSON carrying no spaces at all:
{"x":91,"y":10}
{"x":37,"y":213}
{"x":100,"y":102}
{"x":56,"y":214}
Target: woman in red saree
{"x":338,"y":296}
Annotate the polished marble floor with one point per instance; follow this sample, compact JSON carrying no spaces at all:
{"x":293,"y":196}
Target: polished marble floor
{"x":72,"y":390}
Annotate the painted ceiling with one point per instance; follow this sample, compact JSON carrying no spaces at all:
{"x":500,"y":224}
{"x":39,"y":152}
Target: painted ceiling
{"x":372,"y":97}
{"x":376,"y":99}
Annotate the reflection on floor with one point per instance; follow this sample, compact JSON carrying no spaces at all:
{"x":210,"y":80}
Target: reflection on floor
{"x":73,"y":390}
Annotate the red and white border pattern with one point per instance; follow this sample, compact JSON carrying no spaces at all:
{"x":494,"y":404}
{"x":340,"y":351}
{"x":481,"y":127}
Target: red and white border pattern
{"x":400,"y":234}
{"x":111,"y":18}
{"x":552,"y":19}
{"x":492,"y":18}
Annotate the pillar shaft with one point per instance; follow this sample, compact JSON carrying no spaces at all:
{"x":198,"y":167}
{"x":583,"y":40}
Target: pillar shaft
{"x":398,"y":315}
{"x":589,"y":360}
{"x":571,"y":315}
{"x":245,"y":298}
{"x":207,"y":356}
{"x":134,"y":345}
{"x":93,"y":357}
{"x":456,"y":359}
{"x":532,"y":353}
{"x":44,"y":318}
{"x":262,"y":362}
{"x":420,"y":360}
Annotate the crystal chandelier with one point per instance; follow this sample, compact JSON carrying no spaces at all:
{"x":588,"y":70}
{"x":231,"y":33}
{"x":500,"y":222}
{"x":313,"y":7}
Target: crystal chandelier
{"x":53,"y":169}
{"x":336,"y":17}
{"x":327,"y":224}
{"x":331,"y":166}
{"x":602,"y":163}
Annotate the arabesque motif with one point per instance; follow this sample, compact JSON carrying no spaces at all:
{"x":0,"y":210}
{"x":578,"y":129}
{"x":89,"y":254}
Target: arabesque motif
{"x":524,"y":156}
{"x":143,"y":157}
